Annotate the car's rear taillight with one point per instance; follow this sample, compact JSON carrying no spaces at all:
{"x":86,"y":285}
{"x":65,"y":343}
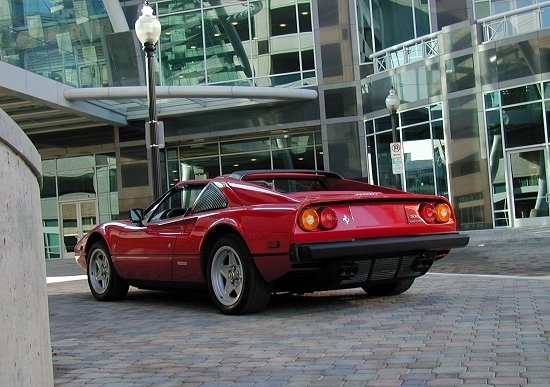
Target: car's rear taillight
{"x":323,"y":218}
{"x":427,"y":212}
{"x":432,"y":213}
{"x":442,"y":212}
{"x":308,"y":219}
{"x":327,"y":218}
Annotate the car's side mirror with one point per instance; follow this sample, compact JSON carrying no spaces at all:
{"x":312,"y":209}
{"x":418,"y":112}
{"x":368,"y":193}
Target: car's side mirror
{"x":136,"y":215}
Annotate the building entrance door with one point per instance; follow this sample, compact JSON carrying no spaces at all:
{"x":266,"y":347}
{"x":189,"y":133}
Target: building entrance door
{"x":77,"y":219}
{"x":528,"y":184}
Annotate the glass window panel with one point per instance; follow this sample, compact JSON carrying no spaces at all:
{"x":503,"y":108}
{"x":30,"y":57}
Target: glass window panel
{"x":198,"y":150}
{"x":518,"y":60}
{"x":329,"y":14}
{"x":468,"y":181}
{"x":76,"y":184}
{"x":343,"y":148}
{"x":379,"y":90}
{"x":387,"y":15}
{"x":548,"y":118}
{"x":418,"y":84}
{"x":134,"y":153}
{"x":369,"y":127}
{"x":105,"y":159}
{"x":386,"y":177}
{"x":365,"y":30}
{"x":285,"y":63}
{"x":422,"y":17}
{"x":418,"y":152}
{"x":206,"y":167}
{"x":340,"y":102}
{"x":331,"y":56}
{"x":173,"y":173}
{"x":528,"y":172}
{"x":172,"y":154}
{"x":134,"y":175}
{"x":523,"y":125}
{"x":457,"y":39}
{"x":257,"y":160}
{"x":492,"y":120}
{"x":488,"y":68}
{"x":174,"y":6}
{"x":244,"y":145}
{"x":292,"y":140}
{"x":544,"y":48}
{"x":113,"y":186}
{"x":433,"y":79}
{"x":226,"y":56}
{"x":304,"y":17}
{"x":521,"y":94}
{"x":497,"y":169}
{"x":75,"y":162}
{"x":436,"y":111}
{"x":523,"y":3}
{"x":382,"y":124}
{"x":545,"y":17}
{"x":492,"y":99}
{"x":298,"y":158}
{"x":182,"y":49}
{"x":372,"y":161}
{"x":283,"y":21}
{"x":319,"y":161}
{"x":416,"y":116}
{"x":308,"y":62}
{"x":440,"y":158}
{"x":501,"y":6}
{"x":49,"y":189}
{"x":460,"y":73}
{"x":451,"y":12}
{"x":481,"y":9}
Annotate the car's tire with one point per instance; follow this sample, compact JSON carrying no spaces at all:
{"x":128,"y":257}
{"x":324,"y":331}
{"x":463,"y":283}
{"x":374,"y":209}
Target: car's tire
{"x":389,"y":289}
{"x":104,"y":282}
{"x":234,"y":283}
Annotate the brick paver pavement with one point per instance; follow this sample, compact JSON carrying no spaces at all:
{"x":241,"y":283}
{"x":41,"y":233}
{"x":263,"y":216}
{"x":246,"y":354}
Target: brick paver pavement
{"x":449,"y":329}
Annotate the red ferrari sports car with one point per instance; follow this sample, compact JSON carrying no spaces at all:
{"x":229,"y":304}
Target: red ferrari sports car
{"x":250,"y":234}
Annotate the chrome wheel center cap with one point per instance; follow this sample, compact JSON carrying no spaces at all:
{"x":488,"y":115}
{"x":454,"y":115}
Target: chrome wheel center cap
{"x":233,"y":275}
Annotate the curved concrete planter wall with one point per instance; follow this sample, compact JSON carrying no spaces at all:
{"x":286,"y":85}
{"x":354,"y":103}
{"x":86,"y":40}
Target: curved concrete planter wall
{"x":25,"y":356}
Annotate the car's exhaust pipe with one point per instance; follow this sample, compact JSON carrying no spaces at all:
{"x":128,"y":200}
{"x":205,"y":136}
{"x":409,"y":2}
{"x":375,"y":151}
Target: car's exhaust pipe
{"x":423,"y":262}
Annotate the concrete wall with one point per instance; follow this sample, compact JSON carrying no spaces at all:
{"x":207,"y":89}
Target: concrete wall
{"x":25,"y":344}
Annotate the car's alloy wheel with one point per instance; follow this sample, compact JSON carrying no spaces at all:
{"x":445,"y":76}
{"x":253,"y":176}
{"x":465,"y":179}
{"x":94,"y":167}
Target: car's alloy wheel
{"x":390,"y":289}
{"x":104,"y":282}
{"x":235,"y":285}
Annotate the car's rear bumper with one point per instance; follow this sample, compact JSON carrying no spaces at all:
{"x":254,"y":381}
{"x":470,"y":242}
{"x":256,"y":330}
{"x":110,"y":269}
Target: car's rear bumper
{"x":365,"y":249}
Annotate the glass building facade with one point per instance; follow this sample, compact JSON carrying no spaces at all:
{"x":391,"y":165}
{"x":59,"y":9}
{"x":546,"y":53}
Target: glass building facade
{"x":472,"y":77}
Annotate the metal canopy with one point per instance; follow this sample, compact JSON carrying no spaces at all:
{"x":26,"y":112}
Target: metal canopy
{"x":42,"y":105}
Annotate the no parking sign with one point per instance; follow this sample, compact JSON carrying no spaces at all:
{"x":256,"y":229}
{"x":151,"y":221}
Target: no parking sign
{"x":396,"y":152}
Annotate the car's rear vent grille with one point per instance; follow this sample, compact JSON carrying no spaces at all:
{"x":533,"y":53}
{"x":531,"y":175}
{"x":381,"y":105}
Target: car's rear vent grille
{"x":211,"y":198}
{"x":384,"y":268}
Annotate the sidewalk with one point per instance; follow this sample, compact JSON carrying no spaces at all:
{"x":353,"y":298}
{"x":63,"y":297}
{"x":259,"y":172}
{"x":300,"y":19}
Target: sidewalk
{"x":509,"y":251}
{"x":447,"y":330}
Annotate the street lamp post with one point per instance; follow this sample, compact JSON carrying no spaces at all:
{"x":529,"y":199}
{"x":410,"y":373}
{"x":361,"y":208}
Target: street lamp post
{"x":392,"y":104}
{"x":148,"y":32}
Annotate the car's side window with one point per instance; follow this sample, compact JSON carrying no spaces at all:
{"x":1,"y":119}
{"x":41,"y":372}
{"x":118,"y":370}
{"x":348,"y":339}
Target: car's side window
{"x":211,"y":198}
{"x":177,"y":203}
